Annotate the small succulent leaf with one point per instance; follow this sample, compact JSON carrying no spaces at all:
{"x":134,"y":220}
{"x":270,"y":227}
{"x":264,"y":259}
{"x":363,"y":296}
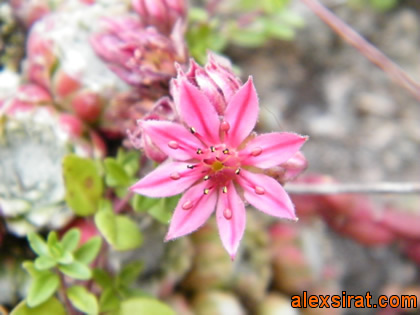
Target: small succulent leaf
{"x":89,"y":250}
{"x":142,"y":203}
{"x":66,"y":258}
{"x":44,"y":263}
{"x":130,"y":272}
{"x":83,"y":184}
{"x":38,"y":245}
{"x":54,"y":247}
{"x":42,"y":288}
{"x":70,"y":240}
{"x":76,"y":270}
{"x":144,"y":305}
{"x":102,"y":278}
{"x":109,"y":301}
{"x":115,"y":175}
{"x":161,"y":212}
{"x":118,"y":230}
{"x":29,"y":266}
{"x":130,"y":161}
{"x":51,"y":306}
{"x":83,"y":300}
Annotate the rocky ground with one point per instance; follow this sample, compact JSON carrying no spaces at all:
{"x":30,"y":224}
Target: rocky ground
{"x":362,"y":126}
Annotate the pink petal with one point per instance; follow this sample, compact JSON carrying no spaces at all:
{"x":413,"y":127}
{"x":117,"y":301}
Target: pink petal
{"x":172,"y":138}
{"x":168,"y":179}
{"x":271,"y":149}
{"x":193,"y":209}
{"x":231,"y":219}
{"x":242,"y":113}
{"x":197,"y":111}
{"x":266,"y":194}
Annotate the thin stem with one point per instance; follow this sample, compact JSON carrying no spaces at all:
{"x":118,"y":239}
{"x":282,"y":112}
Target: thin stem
{"x":122,"y":203}
{"x":63,"y":295}
{"x":366,"y":48}
{"x":354,"y":188}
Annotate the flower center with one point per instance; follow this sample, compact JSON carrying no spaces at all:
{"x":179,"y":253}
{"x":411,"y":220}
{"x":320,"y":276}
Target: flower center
{"x":217,"y":166}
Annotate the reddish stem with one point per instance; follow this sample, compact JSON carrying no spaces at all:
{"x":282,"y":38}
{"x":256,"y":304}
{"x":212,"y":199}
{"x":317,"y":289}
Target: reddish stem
{"x":366,"y":48}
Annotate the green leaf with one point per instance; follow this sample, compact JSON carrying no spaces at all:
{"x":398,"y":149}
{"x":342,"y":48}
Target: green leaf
{"x":83,"y":184}
{"x":42,"y":288}
{"x":143,"y":203}
{"x":102,"y":278}
{"x":109,"y":301}
{"x":89,"y":250}
{"x":115,"y":174}
{"x":66,"y":258}
{"x":51,"y":306}
{"x":118,"y":230}
{"x":130,"y":272}
{"x":76,"y":270}
{"x":130,"y":161}
{"x":162,"y":211}
{"x":29,"y":266}
{"x":37,"y":244}
{"x":144,"y":306}
{"x":44,"y":263}
{"x":83,"y":300}
{"x":70,"y":240}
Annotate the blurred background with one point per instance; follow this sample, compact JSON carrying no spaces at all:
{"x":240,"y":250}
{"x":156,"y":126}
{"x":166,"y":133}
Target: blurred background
{"x":363,"y":128}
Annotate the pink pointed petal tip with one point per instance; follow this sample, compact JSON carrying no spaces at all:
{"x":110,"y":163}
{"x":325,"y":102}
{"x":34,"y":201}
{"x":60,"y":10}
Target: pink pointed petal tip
{"x":168,"y":179}
{"x":193,"y":209}
{"x":271,"y":149}
{"x":242,"y":113}
{"x":231,"y":219}
{"x":172,"y":138}
{"x":198,"y":112}
{"x":267,"y":195}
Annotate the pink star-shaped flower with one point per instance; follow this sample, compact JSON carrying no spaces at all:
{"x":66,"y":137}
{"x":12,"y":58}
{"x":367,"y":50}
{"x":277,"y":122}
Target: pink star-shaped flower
{"x":215,"y":160}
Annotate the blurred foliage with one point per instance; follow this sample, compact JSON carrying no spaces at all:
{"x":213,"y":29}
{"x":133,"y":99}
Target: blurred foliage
{"x":241,"y":22}
{"x":380,"y":5}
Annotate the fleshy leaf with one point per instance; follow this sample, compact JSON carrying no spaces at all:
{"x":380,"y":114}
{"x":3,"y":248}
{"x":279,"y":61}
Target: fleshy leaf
{"x":115,"y":175}
{"x":109,"y":300}
{"x":37,"y":244}
{"x":76,"y":270}
{"x":83,"y":300}
{"x":51,"y":306}
{"x":89,"y":250}
{"x":83,"y":184}
{"x":130,"y":272}
{"x":44,"y":263}
{"x":147,"y":306}
{"x":42,"y":288}
{"x":118,"y":230}
{"x":70,"y":240}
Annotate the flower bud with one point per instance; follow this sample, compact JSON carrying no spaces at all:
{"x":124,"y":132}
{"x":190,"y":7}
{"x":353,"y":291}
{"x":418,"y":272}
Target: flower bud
{"x":161,"y":14}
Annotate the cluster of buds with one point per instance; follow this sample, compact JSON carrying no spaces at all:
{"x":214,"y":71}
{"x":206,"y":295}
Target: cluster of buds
{"x":140,"y":55}
{"x":34,"y":138}
{"x":357,"y":217}
{"x":162,"y":14}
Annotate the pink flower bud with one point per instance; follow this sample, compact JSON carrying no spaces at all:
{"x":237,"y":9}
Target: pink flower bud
{"x":87,"y":105}
{"x":216,"y":81}
{"x":161,"y":14}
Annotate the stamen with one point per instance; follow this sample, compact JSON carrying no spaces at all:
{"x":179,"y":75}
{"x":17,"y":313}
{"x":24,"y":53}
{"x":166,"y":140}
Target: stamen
{"x":224,"y":190}
{"x":175,"y":176}
{"x":256,"y":151}
{"x":207,"y":177}
{"x":212,"y":149}
{"x":173,"y":144}
{"x":227,"y":213}
{"x":226,"y":151}
{"x":259,"y":190}
{"x":224,"y":126}
{"x":206,"y":191}
{"x":191,"y":166}
{"x":237,"y":171}
{"x":199,"y":151}
{"x":187,"y":205}
{"x":193,"y":131}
